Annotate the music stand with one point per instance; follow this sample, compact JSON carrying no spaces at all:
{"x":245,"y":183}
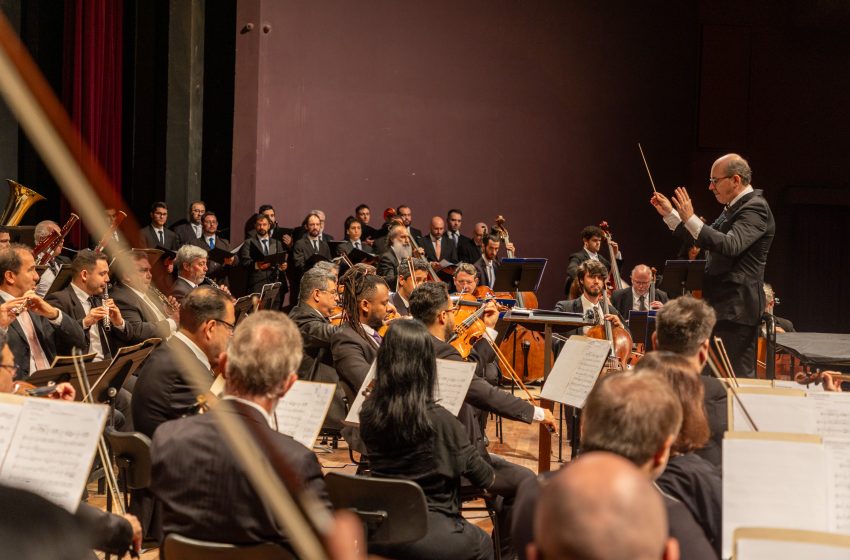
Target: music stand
{"x":67,"y":372}
{"x":642,"y":325}
{"x":519,"y":275}
{"x":681,"y":277}
{"x":244,"y":306}
{"x":269,"y":295}
{"x":62,"y":279}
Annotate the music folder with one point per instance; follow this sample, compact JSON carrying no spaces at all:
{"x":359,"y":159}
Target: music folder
{"x":219,"y":255}
{"x":166,"y":253}
{"x":275,"y":258}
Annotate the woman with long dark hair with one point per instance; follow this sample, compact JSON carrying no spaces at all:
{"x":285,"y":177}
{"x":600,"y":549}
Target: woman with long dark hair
{"x":409,"y":436}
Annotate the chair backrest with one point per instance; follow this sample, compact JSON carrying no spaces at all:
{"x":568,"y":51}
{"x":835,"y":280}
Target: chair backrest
{"x":177,"y":547}
{"x":132,"y":449}
{"x":394,"y":511}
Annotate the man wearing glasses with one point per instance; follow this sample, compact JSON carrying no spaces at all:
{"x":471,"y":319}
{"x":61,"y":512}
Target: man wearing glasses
{"x":737,"y":243}
{"x":636,"y":297}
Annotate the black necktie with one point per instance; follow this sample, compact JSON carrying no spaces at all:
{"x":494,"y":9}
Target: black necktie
{"x":316,"y":245}
{"x":642,"y":303}
{"x":265,"y":246}
{"x":95,"y":302}
{"x":161,"y":238}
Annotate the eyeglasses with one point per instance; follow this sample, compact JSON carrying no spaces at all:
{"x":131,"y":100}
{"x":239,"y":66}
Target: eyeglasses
{"x":715,"y":180}
{"x":334,"y":293}
{"x":13,"y":368}
{"x":230,"y":326}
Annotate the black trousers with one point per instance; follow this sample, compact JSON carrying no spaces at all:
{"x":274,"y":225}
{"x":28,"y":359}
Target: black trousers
{"x":509,"y":476}
{"x":740,"y":343}
{"x":448,"y":538}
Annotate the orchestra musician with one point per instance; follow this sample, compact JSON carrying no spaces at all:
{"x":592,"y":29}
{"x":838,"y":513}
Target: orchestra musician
{"x":406,"y":214}
{"x":34,"y":335}
{"x":411,"y":273}
{"x":782,"y":324}
{"x":217,"y":502}
{"x":466,"y":250}
{"x":488,"y":264}
{"x":409,"y":436}
{"x":42,"y":230}
{"x":192,"y":229}
{"x":636,"y":297}
{"x":209,"y":240}
{"x":590,"y":276}
{"x":139,"y":306}
{"x":737,"y":243}
{"x":591,"y":238}
{"x":191,"y":265}
{"x":5,"y":237}
{"x":398,"y":249}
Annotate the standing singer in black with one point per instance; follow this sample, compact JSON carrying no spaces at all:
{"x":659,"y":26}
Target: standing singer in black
{"x":737,"y":244}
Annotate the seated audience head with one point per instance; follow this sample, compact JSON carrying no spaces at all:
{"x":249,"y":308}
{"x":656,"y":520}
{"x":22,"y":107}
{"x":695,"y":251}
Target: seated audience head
{"x":5,"y":237}
{"x":18,"y":274}
{"x":465,"y":278}
{"x":600,"y":507}
{"x":363,"y":214}
{"x":684,"y":326}
{"x":191,"y":263}
{"x":680,"y":374}
{"x":635,"y":417}
{"x":353,"y":228}
{"x":318,"y":290}
{"x":406,"y":281}
{"x":313,"y":225}
{"x":454,"y":219}
{"x":430,"y":303}
{"x":263,"y":357}
{"x":159,"y":214}
{"x":405,"y":375}
{"x":364,"y":299}
{"x":207,"y":317}
{"x":591,"y":277}
{"x":591,"y":237}
{"x":91,"y":271}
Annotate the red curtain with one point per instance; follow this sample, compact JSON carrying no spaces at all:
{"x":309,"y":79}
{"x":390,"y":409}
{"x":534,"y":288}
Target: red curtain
{"x":92,"y":86}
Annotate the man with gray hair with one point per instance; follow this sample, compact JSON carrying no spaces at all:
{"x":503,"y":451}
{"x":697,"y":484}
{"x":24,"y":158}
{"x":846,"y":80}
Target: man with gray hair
{"x":411,"y":273}
{"x":217,"y":503}
{"x":683,"y":327}
{"x":398,"y":249}
{"x":191,"y":265}
{"x":737,"y":243}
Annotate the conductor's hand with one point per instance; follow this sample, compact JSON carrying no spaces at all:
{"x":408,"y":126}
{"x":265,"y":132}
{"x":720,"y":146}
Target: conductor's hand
{"x":662,"y":204}
{"x":614,"y":319}
{"x":682,"y":202}
{"x":491,"y":314}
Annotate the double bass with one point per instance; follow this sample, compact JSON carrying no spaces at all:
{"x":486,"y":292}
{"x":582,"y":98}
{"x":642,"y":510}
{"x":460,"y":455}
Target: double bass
{"x":615,"y":281}
{"x":524,"y":349}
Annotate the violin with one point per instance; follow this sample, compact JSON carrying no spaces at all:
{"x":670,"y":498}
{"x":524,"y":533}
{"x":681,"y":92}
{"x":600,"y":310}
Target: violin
{"x":391,"y":316}
{"x":29,"y":390}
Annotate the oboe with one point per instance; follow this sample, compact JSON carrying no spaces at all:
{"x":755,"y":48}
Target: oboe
{"x":106,"y":323}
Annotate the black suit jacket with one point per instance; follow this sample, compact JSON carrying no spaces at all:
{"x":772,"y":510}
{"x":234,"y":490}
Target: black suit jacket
{"x":576,"y":259}
{"x":250,"y":253}
{"x":400,"y":306}
{"x":180,"y":289}
{"x":347,"y":247}
{"x":216,"y":270}
{"x":149,"y":238}
{"x":481,"y":267}
{"x":202,"y":487}
{"x":574,"y":306}
{"x":467,"y":250}
{"x":185,"y":233}
{"x":303,"y":250}
{"x":448,"y":249}
{"x":737,"y":243}
{"x":623,"y":300}
{"x":388,"y":268}
{"x":162,"y":391}
{"x":718,"y":419}
{"x":138,"y":316}
{"x":68,"y":334}
{"x":353,"y":356}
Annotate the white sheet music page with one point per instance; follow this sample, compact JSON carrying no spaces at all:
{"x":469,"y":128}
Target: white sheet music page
{"x":453,"y":379}
{"x":754,"y":549}
{"x":11,"y":407}
{"x":831,"y":414}
{"x":778,"y":483}
{"x":53,"y":448}
{"x":775,"y":410}
{"x":838,"y":483}
{"x":353,"y":417}
{"x":576,"y":370}
{"x":302,"y":410}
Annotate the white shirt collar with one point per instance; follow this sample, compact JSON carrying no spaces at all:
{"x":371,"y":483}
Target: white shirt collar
{"x":196,"y":350}
{"x":369,"y":330}
{"x":188,"y":281}
{"x":741,"y":195}
{"x":6,"y":296}
{"x":252,"y":404}
{"x":81,"y":295}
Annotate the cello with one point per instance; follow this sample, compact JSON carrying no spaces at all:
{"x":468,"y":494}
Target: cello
{"x":524,"y":349}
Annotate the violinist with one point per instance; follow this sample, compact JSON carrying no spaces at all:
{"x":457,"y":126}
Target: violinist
{"x":591,"y":238}
{"x":430,"y":304}
{"x":411,"y":273}
{"x":591,"y":276}
{"x":465,"y":278}
{"x":636,"y":297}
{"x":488,"y":264}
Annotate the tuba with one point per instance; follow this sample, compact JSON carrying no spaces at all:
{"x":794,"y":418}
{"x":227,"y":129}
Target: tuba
{"x":19,"y":201}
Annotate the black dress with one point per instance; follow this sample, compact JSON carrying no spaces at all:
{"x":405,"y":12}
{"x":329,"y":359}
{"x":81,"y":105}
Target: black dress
{"x":436,"y":465}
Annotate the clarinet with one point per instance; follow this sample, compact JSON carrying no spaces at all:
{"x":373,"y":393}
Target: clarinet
{"x":106,"y":323}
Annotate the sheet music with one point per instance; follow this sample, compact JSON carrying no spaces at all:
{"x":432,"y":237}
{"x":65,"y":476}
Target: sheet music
{"x":831,"y":413}
{"x":773,"y":412}
{"x":789,"y":384}
{"x":453,"y":379}
{"x":10,"y":411}
{"x":838,"y":483}
{"x":52,"y":449}
{"x":757,"y":549}
{"x":776,"y":483}
{"x":353,"y":417}
{"x":302,"y":410}
{"x":576,"y":370}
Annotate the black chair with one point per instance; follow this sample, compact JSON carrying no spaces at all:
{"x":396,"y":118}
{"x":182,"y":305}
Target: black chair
{"x":469,"y":493}
{"x":132,"y":452}
{"x":393,"y":511}
{"x":177,"y":547}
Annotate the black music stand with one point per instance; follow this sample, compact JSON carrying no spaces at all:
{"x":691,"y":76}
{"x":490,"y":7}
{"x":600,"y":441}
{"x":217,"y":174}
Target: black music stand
{"x":244,"y":306}
{"x":547,"y":322}
{"x":642,"y":325}
{"x":67,"y":373}
{"x":519,"y":275}
{"x":681,"y":277}
{"x":63,"y":278}
{"x":268,"y":295}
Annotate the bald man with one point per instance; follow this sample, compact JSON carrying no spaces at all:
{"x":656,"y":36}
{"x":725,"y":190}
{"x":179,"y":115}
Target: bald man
{"x":636,"y":297}
{"x":601,"y":506}
{"x":737,"y":243}
{"x":437,"y":244}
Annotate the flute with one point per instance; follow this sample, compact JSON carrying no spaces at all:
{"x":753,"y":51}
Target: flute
{"x":107,"y":325}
